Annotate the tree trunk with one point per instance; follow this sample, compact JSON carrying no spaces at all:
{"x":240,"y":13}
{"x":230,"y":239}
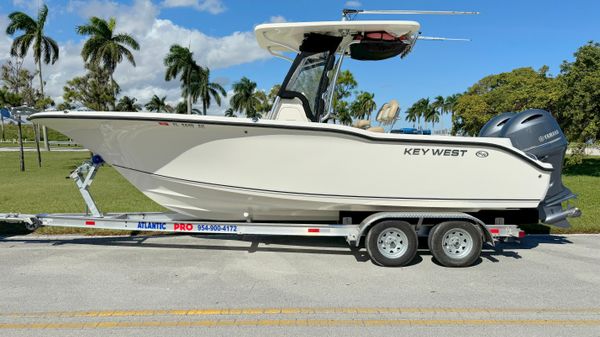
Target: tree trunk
{"x":204,"y":108}
{"x":44,"y":129}
{"x":2,"y":126}
{"x":22,"y":155}
{"x":36,"y":129}
{"x":114,"y":102}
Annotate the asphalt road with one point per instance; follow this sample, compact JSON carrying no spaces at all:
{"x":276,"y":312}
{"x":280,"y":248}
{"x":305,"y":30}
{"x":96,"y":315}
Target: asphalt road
{"x":259,"y":286}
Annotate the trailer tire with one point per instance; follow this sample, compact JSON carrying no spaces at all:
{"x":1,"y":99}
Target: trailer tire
{"x":392,"y":243}
{"x":31,"y":227}
{"x":456,"y":243}
{"x":429,"y":236}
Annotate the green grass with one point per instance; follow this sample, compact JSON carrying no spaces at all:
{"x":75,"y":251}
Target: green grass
{"x":11,"y":133}
{"x":30,"y":144}
{"x":45,"y":190}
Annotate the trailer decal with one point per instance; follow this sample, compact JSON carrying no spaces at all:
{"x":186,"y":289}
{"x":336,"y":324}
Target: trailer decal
{"x":183,"y":227}
{"x":217,"y":228}
{"x":152,"y":225}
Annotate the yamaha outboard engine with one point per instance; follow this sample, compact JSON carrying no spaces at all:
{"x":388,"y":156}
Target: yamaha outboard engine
{"x":494,"y":126}
{"x":537,"y":133}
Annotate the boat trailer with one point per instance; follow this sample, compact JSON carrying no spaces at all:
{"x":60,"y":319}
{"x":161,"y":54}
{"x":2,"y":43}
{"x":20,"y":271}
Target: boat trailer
{"x":391,"y":238}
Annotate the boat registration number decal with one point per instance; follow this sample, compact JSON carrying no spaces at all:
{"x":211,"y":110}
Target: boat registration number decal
{"x":182,"y":125}
{"x":421,"y":151}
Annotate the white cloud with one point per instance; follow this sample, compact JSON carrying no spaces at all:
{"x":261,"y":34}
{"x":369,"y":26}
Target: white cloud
{"x":211,"y":6}
{"x":28,"y":4}
{"x":277,"y":19}
{"x":353,"y":3}
{"x":155,"y":37}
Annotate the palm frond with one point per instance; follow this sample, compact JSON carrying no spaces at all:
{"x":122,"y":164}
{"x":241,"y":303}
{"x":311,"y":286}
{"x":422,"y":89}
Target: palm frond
{"x":20,"y":21}
{"x":127,"y":53}
{"x":42,"y":15}
{"x":20,"y":45}
{"x":51,"y":50}
{"x":128,"y":40}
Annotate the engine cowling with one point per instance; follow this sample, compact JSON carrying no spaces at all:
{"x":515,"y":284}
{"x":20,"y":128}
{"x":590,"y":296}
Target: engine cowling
{"x":538,"y":134}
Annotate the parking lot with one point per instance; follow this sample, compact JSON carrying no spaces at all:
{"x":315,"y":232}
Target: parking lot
{"x":225,"y":285}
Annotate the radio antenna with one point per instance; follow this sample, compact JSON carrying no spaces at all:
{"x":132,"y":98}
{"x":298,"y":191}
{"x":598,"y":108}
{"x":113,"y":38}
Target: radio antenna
{"x":349,"y":14}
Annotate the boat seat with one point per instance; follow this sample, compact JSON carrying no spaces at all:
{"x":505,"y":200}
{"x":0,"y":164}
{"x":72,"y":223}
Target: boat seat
{"x":290,"y":110}
{"x":376,"y":129}
{"x":362,"y":124}
{"x":388,"y":112}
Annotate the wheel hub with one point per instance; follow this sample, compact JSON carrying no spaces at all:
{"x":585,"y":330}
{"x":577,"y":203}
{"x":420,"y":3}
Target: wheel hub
{"x":392,"y":243}
{"x":457,"y":243}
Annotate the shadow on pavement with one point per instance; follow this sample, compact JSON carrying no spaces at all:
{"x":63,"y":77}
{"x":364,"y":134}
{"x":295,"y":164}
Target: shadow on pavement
{"x":297,"y":244}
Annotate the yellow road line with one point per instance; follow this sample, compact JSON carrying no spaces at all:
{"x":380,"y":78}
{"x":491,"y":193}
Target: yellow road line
{"x":301,"y":322}
{"x":287,"y":311}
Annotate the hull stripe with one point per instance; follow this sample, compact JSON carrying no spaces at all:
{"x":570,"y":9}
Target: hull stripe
{"x":315,"y":194}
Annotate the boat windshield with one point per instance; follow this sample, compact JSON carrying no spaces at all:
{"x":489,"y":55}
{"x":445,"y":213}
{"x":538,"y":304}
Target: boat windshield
{"x":308,"y":80}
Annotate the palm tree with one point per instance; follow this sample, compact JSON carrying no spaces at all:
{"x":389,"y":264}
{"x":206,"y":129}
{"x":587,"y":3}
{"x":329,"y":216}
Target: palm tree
{"x":127,"y":103}
{"x":411,"y":115}
{"x":364,"y":105}
{"x":342,"y":113}
{"x":180,"y":61}
{"x":244,"y":98}
{"x":423,"y":107}
{"x":202,"y":88}
{"x":181,"y":108}
{"x":450,"y":105}
{"x":230,"y":113}
{"x":439,"y":104}
{"x":419,"y":109}
{"x":43,"y":46}
{"x":158,"y":104}
{"x":264,"y":105}
{"x":105,"y":48}
{"x":432,"y":115}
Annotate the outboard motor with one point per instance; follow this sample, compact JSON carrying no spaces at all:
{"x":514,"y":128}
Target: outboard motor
{"x":494,"y":126}
{"x":537,"y":133}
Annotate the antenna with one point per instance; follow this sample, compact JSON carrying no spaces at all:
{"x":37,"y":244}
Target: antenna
{"x":349,"y":14}
{"x":436,"y":38}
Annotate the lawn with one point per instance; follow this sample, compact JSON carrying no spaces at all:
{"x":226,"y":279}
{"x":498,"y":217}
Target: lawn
{"x":45,"y":190}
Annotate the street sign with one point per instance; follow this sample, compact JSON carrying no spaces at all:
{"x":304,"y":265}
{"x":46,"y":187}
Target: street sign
{"x":5,"y":113}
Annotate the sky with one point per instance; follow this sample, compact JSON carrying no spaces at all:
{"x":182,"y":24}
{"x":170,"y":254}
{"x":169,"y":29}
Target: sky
{"x":507,"y":34}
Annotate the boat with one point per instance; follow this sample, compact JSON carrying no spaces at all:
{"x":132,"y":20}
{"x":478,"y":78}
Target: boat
{"x":296,"y":164}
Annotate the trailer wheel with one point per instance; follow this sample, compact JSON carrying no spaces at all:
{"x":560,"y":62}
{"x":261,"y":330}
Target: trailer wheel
{"x":455,"y":243}
{"x":31,"y":227}
{"x":392,"y":243}
{"x":430,"y":235}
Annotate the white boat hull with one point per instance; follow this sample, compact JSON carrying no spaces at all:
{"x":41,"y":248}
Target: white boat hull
{"x":222,"y":168}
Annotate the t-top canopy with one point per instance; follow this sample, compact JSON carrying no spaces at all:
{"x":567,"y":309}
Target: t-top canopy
{"x":288,"y":36}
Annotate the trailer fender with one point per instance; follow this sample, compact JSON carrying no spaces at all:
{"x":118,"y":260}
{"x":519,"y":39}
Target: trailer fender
{"x":374,"y":218}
